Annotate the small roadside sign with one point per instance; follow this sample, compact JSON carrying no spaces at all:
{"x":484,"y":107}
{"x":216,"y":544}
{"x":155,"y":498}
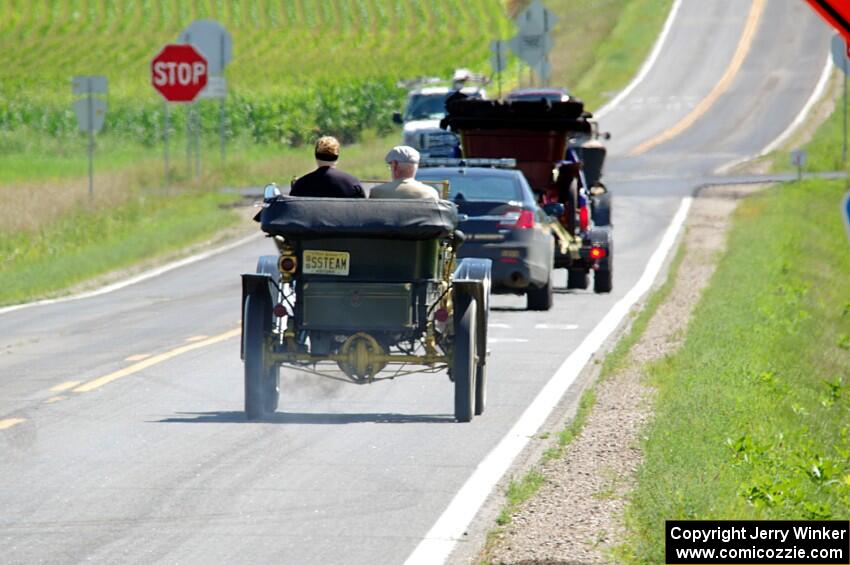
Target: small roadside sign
{"x":89,"y":84}
{"x":841,"y":53}
{"x":535,"y":19}
{"x":216,"y":88}
{"x":90,"y":114}
{"x":798,"y":158}
{"x":531,"y":48}
{"x":845,"y":212}
{"x":212,"y":40}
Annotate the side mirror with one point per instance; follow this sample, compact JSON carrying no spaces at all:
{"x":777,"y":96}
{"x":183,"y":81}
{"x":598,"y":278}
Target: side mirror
{"x":555,"y":209}
{"x":397,"y":118}
{"x":270,"y":192}
{"x":606,"y":136}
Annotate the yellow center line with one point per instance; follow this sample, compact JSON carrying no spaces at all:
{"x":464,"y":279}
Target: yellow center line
{"x":737,"y":61}
{"x":196,"y":338}
{"x":54,"y":399}
{"x":155,"y":360}
{"x":138,"y":357}
{"x":62,"y":387}
{"x":9,"y":422}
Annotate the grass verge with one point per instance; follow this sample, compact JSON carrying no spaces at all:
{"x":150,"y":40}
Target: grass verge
{"x":751,"y":414}
{"x":616,"y":37}
{"x":85,"y":244}
{"x":49,"y":242}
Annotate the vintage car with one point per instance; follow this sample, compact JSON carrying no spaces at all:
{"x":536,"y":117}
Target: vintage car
{"x":364,"y":290}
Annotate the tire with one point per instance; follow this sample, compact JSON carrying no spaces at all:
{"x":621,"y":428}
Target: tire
{"x":464,"y":366}
{"x":480,"y":389}
{"x":578,"y":279}
{"x":601,"y":210}
{"x":602,"y":281}
{"x":261,"y":377}
{"x":540,"y":299}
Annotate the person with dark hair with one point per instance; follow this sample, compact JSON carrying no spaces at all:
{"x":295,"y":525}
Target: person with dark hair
{"x":327,"y":181}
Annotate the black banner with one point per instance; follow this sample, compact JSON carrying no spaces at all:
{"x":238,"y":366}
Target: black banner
{"x":761,"y":542}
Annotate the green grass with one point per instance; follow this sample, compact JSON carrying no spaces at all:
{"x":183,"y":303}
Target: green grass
{"x":54,"y":253}
{"x":522,"y":489}
{"x":615,"y":38}
{"x":824,"y":149}
{"x":86,"y":244}
{"x":299,"y":67}
{"x":751,"y":416}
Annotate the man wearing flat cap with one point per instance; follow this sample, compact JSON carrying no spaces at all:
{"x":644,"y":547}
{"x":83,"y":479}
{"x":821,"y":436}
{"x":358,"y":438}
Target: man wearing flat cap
{"x":327,"y":181}
{"x":403,"y":162}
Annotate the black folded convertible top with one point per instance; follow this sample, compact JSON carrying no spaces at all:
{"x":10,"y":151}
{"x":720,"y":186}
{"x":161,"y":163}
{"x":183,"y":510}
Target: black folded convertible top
{"x":309,"y":218}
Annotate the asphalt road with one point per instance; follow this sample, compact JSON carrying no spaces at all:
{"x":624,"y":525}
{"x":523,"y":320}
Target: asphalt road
{"x":157,"y":463}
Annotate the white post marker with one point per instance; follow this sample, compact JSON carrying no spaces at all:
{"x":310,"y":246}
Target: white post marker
{"x":90,"y":112}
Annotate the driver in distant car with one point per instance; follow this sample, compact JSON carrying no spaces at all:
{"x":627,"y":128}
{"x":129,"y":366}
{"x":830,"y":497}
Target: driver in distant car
{"x":404,"y":161}
{"x":327,"y":181}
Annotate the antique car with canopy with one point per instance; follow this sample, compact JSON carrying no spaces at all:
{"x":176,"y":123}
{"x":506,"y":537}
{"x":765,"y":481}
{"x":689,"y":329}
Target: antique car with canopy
{"x":364,"y":290}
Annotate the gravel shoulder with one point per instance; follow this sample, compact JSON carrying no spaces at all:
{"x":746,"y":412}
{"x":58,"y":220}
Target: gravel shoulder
{"x":576,"y":516}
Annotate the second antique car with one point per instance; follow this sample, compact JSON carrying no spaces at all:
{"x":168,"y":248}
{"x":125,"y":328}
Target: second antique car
{"x":364,"y":290}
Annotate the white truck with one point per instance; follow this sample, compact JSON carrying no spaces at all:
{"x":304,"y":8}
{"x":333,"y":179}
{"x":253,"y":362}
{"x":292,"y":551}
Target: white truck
{"x":426,"y":106}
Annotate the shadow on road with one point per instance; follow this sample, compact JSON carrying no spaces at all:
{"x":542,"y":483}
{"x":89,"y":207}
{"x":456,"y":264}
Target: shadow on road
{"x":307,"y":418}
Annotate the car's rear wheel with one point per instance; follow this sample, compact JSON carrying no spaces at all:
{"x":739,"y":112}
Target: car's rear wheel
{"x":261,"y":376}
{"x":464,"y":366}
{"x":577,"y":279}
{"x":540,"y":298}
{"x":602,"y":281}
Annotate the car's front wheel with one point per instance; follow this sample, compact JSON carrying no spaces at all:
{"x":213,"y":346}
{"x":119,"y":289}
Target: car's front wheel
{"x":464,"y":366}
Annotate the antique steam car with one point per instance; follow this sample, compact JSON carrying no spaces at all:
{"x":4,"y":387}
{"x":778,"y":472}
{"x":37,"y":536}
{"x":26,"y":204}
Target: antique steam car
{"x":364,"y":290}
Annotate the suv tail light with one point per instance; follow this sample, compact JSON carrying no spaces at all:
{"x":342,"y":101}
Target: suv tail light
{"x":518,"y":220}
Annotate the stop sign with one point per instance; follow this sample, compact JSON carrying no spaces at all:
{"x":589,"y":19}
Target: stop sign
{"x":179,"y":73}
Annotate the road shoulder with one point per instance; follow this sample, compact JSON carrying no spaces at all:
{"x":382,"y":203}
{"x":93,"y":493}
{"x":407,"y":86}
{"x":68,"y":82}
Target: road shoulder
{"x":576,"y":515}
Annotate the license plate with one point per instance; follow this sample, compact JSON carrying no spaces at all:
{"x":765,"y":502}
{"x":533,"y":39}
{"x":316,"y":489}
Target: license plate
{"x":326,"y":263}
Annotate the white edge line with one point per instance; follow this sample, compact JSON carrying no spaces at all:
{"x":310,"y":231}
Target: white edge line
{"x":134,"y":280}
{"x":451,"y":525}
{"x":647,"y":65}
{"x":792,"y":127}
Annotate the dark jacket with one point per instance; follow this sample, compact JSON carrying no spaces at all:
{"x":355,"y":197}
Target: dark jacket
{"x":328,"y":182}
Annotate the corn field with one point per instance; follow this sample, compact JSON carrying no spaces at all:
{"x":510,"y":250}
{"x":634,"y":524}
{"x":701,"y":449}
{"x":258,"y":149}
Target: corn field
{"x":299,"y":66}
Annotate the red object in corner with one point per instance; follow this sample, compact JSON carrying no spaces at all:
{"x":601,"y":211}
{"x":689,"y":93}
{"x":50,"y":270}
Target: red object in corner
{"x":836,"y":13}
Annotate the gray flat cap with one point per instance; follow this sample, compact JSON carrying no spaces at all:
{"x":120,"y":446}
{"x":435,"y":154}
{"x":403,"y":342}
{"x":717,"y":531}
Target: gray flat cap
{"x":403,"y":154}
